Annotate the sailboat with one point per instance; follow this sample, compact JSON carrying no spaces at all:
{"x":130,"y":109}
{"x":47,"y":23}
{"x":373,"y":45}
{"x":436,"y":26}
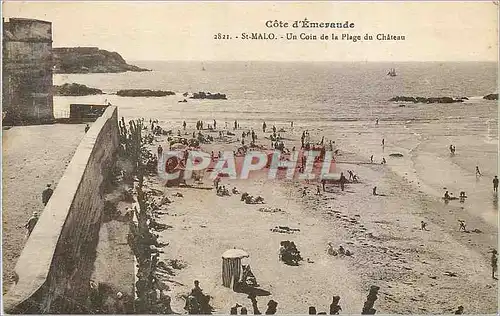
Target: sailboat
{"x":392,"y":72}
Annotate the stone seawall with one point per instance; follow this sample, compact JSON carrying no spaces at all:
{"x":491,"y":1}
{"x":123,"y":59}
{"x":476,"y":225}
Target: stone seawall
{"x":54,"y":269}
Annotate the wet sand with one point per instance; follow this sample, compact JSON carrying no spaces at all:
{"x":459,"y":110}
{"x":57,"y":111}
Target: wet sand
{"x":417,"y":271}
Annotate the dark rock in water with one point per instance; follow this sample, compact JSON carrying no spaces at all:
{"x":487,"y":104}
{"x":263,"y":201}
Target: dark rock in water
{"x":208,"y":95}
{"x":143,"y":93}
{"x":68,"y":60}
{"x":396,"y":155}
{"x":427,"y":100}
{"x":492,"y":96}
{"x":75,"y":89}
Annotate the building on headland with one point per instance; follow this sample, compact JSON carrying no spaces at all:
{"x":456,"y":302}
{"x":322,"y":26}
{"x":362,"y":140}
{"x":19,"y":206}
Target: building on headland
{"x":27,"y":71}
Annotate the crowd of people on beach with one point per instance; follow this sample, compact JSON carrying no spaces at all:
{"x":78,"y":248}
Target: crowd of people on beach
{"x":197,"y":302}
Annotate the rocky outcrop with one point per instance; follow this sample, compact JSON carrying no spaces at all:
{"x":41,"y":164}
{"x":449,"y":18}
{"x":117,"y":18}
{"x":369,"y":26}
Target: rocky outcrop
{"x":143,"y":93}
{"x":208,"y":95}
{"x":89,"y":60}
{"x":75,"y":89}
{"x":428,"y":100}
{"x":492,"y":96}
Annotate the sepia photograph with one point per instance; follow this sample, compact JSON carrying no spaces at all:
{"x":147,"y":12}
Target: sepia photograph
{"x":250,"y":157}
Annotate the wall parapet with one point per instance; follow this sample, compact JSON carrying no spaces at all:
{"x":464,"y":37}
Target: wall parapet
{"x":53,"y":271}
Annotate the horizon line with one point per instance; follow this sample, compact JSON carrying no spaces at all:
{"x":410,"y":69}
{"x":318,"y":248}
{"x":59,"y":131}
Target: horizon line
{"x":319,"y":61}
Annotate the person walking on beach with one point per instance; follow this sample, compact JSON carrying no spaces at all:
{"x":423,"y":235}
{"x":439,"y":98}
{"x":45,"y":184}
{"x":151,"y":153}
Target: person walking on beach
{"x":87,"y":127}
{"x":264,"y":127}
{"x":478,"y":173}
{"x":215,"y":124}
{"x":494,"y":263}
{"x":235,"y":124}
{"x":376,"y":122}
{"x":374,"y":191}
{"x":371,"y":159}
{"x":46,"y":194}
{"x":495,"y":184}
{"x":383,"y":142}
{"x":30,"y":225}
{"x":184,"y":125}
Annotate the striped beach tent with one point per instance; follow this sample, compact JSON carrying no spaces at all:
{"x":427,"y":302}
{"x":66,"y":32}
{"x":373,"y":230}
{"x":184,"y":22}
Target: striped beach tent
{"x":231,"y":266}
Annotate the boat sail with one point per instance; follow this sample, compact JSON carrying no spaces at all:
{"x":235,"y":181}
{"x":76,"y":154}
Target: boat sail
{"x":392,"y":72}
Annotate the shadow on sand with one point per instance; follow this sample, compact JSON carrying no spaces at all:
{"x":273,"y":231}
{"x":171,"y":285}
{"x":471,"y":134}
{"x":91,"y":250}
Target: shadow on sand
{"x":252,"y":291}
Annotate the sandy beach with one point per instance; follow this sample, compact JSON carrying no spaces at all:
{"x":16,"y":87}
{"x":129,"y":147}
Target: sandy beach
{"x":431,"y":271}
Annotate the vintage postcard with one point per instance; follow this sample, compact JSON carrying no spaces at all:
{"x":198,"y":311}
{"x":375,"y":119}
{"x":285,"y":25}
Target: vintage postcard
{"x":250,"y":157}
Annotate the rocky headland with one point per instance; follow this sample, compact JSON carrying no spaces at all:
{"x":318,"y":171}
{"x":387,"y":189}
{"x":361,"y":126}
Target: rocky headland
{"x":75,"y":89}
{"x":143,"y":93}
{"x":428,"y":100}
{"x":89,"y":60}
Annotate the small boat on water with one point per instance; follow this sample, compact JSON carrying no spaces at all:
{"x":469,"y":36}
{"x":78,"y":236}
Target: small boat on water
{"x":392,"y":72}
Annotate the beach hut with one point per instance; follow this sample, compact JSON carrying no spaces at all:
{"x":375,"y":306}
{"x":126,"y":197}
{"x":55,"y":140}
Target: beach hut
{"x":231,"y":266}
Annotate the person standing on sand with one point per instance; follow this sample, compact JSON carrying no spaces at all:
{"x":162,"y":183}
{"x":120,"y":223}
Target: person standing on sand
{"x":342,"y":181}
{"x":371,"y":159}
{"x":495,"y":184}
{"x":46,"y":194}
{"x":184,"y":125}
{"x":160,"y":151}
{"x":383,"y":142}
{"x":494,"y":263}
{"x":215,"y":124}
{"x":374,"y":191}
{"x":264,"y":127}
{"x":376,"y":122}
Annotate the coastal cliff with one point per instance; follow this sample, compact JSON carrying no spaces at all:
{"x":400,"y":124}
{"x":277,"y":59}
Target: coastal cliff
{"x":89,"y":60}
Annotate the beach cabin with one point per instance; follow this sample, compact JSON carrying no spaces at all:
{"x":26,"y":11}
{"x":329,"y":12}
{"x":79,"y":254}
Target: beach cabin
{"x":232,"y":266}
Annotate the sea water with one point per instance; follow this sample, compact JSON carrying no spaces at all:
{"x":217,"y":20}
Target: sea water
{"x":342,"y":102}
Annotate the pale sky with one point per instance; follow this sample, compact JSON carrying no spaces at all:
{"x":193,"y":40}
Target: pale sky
{"x":434,"y":31}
